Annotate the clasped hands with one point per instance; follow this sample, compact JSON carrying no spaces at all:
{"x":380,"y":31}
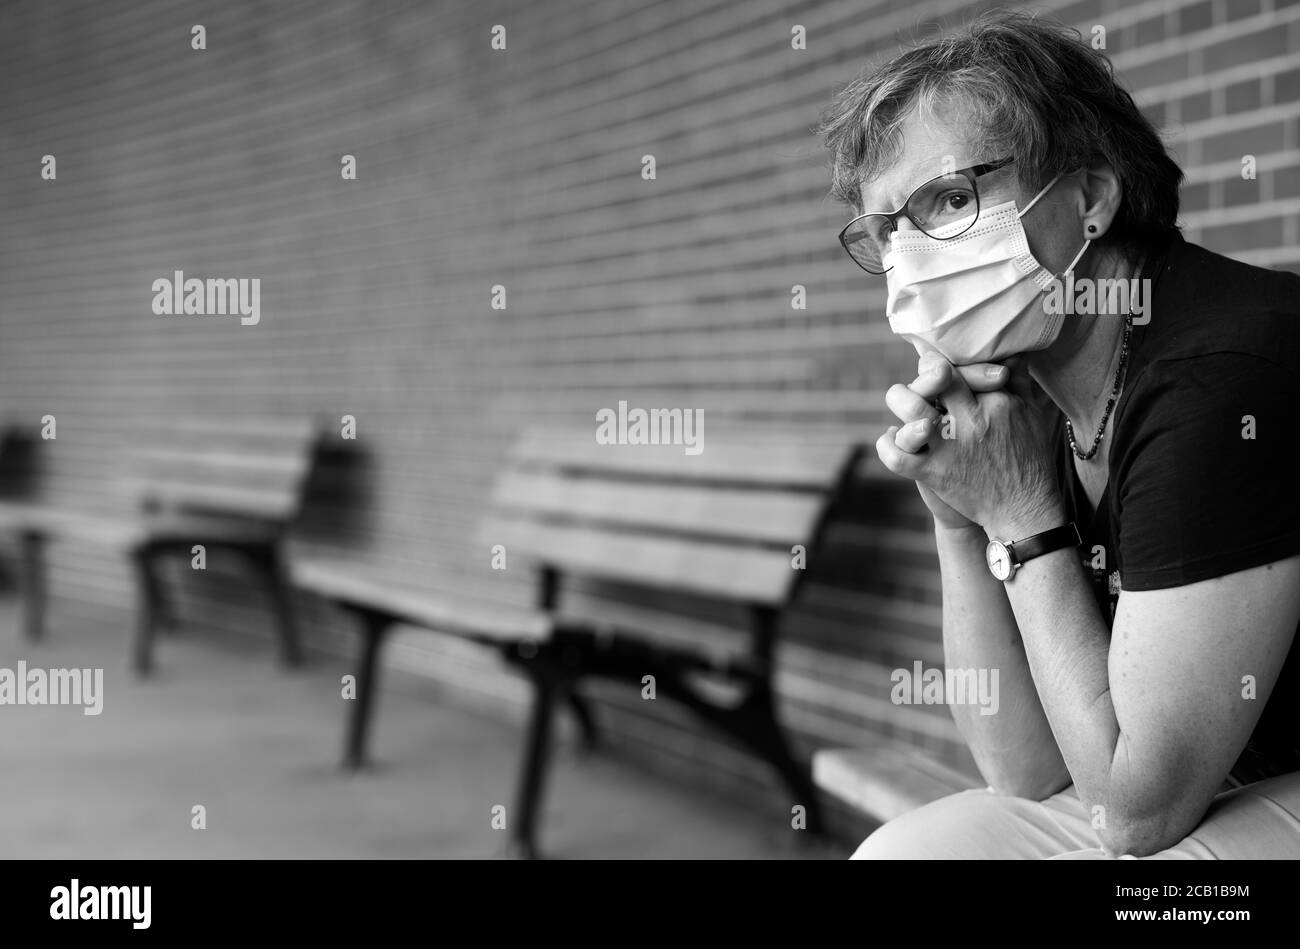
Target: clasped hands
{"x":989,"y":460}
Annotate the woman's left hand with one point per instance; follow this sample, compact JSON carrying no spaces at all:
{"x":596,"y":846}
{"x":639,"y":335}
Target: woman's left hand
{"x":990,"y":458}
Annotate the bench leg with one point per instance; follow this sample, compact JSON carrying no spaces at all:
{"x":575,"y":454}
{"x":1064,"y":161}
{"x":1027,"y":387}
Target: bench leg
{"x":31,"y":584}
{"x":164,"y":615}
{"x":373,"y":627}
{"x":271,"y":561}
{"x":762,"y":731}
{"x":149,"y":604}
{"x":581,"y":710}
{"x":754,"y":724}
{"x":523,"y":824}
{"x":285,"y":611}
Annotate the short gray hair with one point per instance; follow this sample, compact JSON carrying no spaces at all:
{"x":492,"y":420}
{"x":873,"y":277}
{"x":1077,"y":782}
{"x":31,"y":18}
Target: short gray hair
{"x":1029,"y":88}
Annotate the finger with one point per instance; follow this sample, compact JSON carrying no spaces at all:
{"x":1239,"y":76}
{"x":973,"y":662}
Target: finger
{"x":928,"y":361}
{"x":914,"y":436}
{"x":896,"y":460}
{"x":979,"y":377}
{"x":958,"y":397}
{"x":905,"y":403}
{"x":984,"y":376}
{"x":933,"y":379}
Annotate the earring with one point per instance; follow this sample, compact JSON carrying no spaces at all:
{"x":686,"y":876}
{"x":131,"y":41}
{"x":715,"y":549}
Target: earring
{"x":1092,"y":228}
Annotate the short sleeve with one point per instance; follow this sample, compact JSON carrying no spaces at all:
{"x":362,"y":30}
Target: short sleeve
{"x":1206,"y":485}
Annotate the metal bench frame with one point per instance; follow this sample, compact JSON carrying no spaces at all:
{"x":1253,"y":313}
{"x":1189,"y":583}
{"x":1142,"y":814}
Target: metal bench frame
{"x":154,"y":531}
{"x":571,"y":652}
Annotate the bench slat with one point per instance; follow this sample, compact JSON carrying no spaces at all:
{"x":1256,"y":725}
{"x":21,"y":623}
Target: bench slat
{"x":252,"y":468}
{"x":887,"y":779}
{"x":349,"y":583}
{"x":124,"y":531}
{"x":214,"y":498}
{"x":45,"y":518}
{"x":218,"y":461}
{"x":769,"y":458}
{"x":755,"y":515}
{"x":175,"y":474}
{"x":725,"y":571}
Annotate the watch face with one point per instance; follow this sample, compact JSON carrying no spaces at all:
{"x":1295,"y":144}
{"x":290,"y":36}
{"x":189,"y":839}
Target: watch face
{"x":999,"y":559}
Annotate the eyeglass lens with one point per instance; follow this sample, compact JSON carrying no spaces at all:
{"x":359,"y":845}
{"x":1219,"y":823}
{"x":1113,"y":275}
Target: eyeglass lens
{"x":943,"y":207}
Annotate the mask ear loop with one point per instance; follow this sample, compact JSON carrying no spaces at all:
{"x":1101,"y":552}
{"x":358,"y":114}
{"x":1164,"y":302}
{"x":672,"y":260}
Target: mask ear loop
{"x":1046,"y":189}
{"x":1087,"y":242}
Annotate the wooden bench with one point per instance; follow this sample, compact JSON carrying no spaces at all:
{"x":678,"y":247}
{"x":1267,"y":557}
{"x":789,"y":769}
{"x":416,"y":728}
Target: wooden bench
{"x":885,"y":779}
{"x":232,"y":484}
{"x":720,"y":525}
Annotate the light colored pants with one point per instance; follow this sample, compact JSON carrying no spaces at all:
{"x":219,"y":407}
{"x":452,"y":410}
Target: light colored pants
{"x":1259,"y":821}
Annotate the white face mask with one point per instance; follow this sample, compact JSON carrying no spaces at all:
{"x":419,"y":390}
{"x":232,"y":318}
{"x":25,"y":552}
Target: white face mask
{"x":976,"y":297}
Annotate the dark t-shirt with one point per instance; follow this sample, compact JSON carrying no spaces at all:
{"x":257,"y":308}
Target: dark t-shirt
{"x":1190,"y":496}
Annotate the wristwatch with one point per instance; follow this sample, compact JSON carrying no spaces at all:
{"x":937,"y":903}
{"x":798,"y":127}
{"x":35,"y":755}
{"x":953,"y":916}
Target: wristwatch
{"x":1005,"y":558}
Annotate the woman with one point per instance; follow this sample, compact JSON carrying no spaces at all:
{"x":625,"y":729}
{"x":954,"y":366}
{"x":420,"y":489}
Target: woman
{"x":1101,"y":431}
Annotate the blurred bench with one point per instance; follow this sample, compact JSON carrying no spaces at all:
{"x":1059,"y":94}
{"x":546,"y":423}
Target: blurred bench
{"x":232,"y":484}
{"x":885,"y":779}
{"x":720,"y":525}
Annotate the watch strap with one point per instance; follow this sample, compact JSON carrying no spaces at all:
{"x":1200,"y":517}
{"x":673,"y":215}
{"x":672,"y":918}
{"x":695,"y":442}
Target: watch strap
{"x":1035,"y":545}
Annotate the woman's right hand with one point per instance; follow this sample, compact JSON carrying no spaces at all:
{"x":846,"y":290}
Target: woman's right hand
{"x":923,"y":422}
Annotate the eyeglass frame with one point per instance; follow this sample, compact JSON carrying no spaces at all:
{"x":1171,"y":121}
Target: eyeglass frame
{"x":970,"y":173}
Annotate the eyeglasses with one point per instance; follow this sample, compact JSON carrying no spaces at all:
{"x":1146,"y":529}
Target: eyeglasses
{"x":943,"y":208}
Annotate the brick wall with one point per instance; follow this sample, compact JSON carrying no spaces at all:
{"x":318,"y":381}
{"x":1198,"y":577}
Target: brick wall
{"x":523,"y":168}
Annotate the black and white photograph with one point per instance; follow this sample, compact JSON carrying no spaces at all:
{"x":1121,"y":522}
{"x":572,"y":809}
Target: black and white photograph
{"x":803,"y":434}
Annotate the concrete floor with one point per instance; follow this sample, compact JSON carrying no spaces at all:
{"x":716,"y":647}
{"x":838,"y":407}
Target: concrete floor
{"x":221,"y":726}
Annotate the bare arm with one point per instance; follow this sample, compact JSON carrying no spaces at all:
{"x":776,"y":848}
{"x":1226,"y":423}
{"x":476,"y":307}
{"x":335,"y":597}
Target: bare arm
{"x":1014,"y":747}
{"x":1152,"y":715}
